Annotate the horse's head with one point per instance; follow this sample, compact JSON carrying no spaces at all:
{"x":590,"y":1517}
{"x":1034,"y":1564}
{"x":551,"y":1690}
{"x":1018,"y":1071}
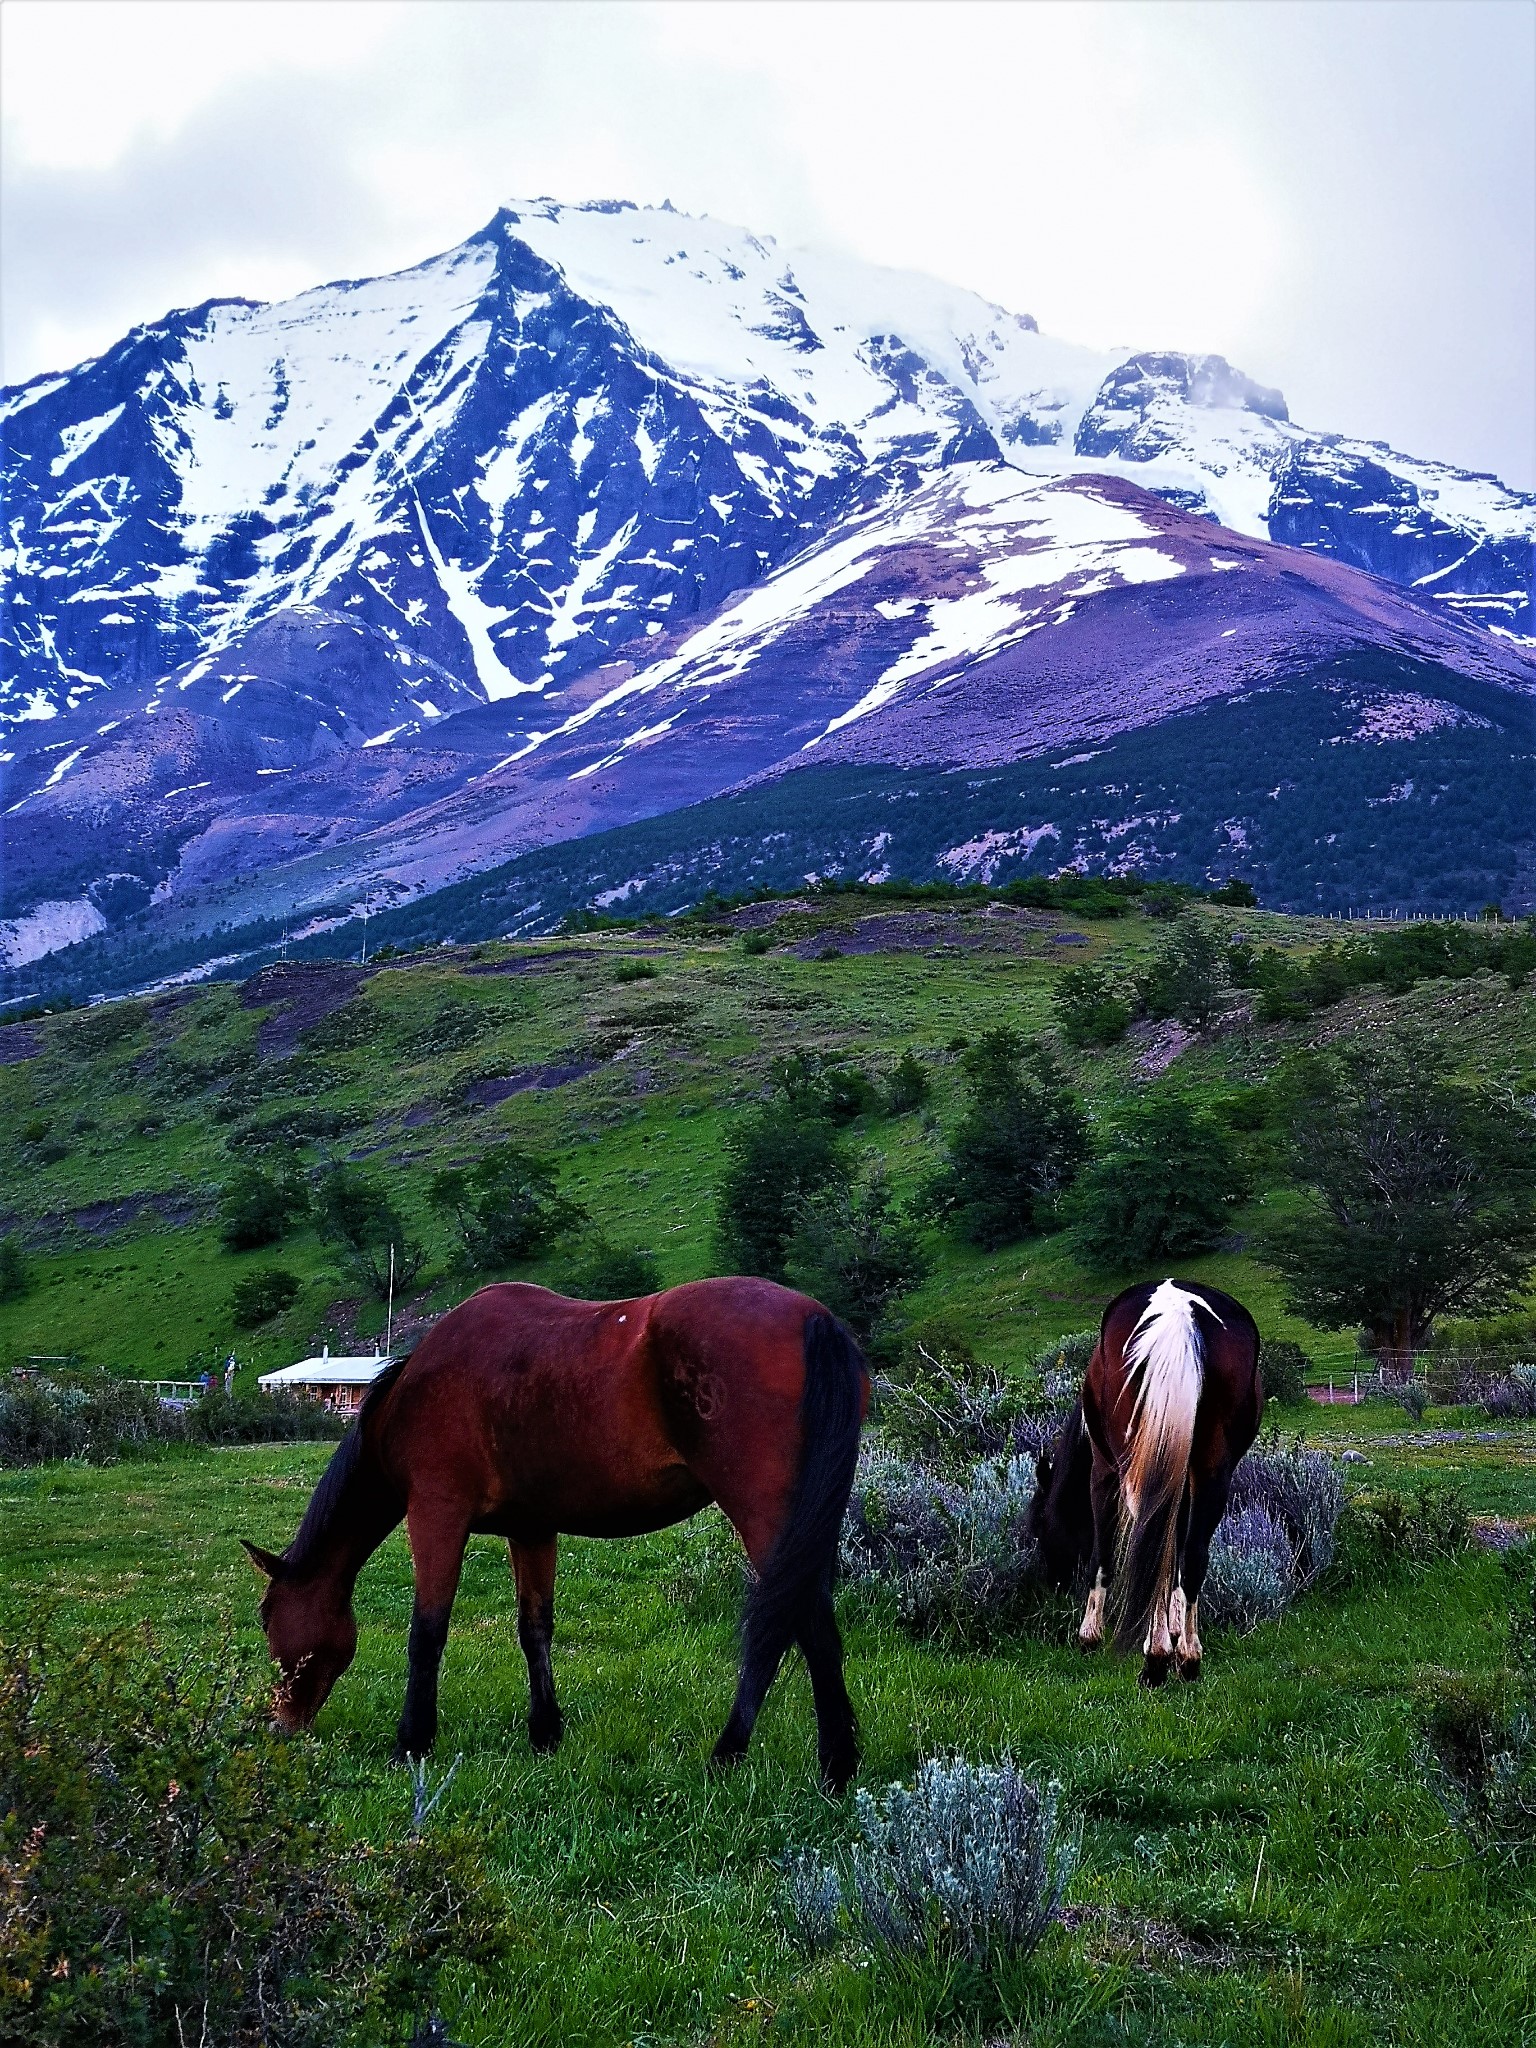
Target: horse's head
{"x":1059,"y":1519}
{"x":311,"y":1634}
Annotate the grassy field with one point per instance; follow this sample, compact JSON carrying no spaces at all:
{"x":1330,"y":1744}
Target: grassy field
{"x":1264,"y":1857}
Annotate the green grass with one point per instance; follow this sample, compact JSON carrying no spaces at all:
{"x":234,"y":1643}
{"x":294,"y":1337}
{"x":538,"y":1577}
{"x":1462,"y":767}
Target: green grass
{"x":643,"y":1892}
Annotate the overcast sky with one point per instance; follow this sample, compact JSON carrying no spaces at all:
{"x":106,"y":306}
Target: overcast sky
{"x":1339,"y":195}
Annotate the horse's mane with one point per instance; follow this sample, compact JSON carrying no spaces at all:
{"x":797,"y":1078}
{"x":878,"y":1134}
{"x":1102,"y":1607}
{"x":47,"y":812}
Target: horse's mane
{"x":337,"y":1476}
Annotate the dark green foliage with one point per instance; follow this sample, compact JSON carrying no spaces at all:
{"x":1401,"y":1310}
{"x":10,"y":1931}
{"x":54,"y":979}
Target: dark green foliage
{"x":636,"y":970}
{"x":1382,"y":1532}
{"x":907,"y":1087}
{"x":15,"y":1273}
{"x":601,"y":1271}
{"x":1165,"y":1188}
{"x":257,"y":1297}
{"x":1018,"y":1146}
{"x":943,"y":1408}
{"x":170,"y":1874}
{"x":99,"y":1419}
{"x":258,"y":1208}
{"x":1421,"y":1193}
{"x":755,"y":944}
{"x":506,"y":1208}
{"x":814,"y":1087}
{"x":1187,"y":980}
{"x":1284,"y":1367}
{"x":356,"y":1213}
{"x":1089,"y":1008}
{"x":1241,"y":895}
{"x":1085,"y":896}
{"x":105,"y":1026}
{"x":776,"y":1158}
{"x":854,"y":1251}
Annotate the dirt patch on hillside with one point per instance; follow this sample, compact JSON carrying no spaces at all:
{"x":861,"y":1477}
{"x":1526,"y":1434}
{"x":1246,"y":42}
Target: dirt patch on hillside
{"x":100,"y":1221}
{"x":17,"y":1043}
{"x":528,"y":963}
{"x":501,"y":1087}
{"x":996,"y":930}
{"x":301,"y":994}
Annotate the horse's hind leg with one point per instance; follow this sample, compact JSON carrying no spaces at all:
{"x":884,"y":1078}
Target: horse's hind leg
{"x":437,"y":1551}
{"x":837,"y":1728}
{"x":533,"y":1566}
{"x":1206,"y":1510}
{"x":1104,"y":1497}
{"x":764,"y":1639}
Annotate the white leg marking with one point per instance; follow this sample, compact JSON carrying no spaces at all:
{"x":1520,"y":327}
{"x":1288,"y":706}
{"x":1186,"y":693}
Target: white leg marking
{"x":1176,"y":1612}
{"x":1092,"y":1630}
{"x":1190,"y":1651}
{"x":1159,"y":1643}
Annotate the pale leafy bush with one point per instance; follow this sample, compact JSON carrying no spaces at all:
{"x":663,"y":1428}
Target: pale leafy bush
{"x":1513,"y":1399}
{"x":1252,"y":1575}
{"x":1300,"y":1490}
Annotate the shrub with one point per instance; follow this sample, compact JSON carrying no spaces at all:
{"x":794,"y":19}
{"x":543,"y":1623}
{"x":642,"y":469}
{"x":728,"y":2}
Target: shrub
{"x":1062,"y":1364}
{"x":1483,"y":1738}
{"x":853,"y":1250}
{"x":257,"y":1297}
{"x":636,"y":970}
{"x":907,"y":1088}
{"x":170,"y":1875}
{"x":812,"y":1901}
{"x":258,"y":1208}
{"x":98,"y":1419}
{"x":972,"y":1861}
{"x":1018,"y":1146}
{"x":829,"y":1089}
{"x":1413,"y":1398}
{"x":943,"y":1407}
{"x":1284,"y":1367}
{"x":258,"y":1418}
{"x":1088,"y":1007}
{"x":15,"y":1273}
{"x":1513,"y":1398}
{"x":1252,"y":1575}
{"x":1188,"y":977}
{"x":506,"y":1207}
{"x":601,"y":1271}
{"x":954,"y":1553}
{"x":755,"y":944}
{"x":1382,"y":1532}
{"x":776,"y":1158}
{"x":1164,"y":1189}
{"x":1241,"y":895}
{"x":1301,"y":1492}
{"x":356,"y":1213}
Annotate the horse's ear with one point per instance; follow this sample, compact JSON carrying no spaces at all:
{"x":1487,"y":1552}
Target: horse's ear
{"x":269,"y":1566}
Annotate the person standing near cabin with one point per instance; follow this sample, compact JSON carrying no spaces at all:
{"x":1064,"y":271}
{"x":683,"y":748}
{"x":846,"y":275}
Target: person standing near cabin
{"x":229,"y":1374}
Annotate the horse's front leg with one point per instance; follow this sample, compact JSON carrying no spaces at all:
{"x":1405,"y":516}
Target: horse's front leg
{"x":533,"y":1566}
{"x":437,"y":1550}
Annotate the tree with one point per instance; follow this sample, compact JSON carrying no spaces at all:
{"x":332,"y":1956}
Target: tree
{"x":854,"y":1250}
{"x":1017,"y":1147}
{"x":258,"y":1297}
{"x":907,"y":1088}
{"x":258,"y":1208}
{"x":1420,"y":1194}
{"x":355,"y":1213}
{"x":775,"y":1159}
{"x":602,"y":1271}
{"x":1165,"y":1188}
{"x":15,"y":1277}
{"x":1188,"y":977}
{"x":1089,"y":1008}
{"x":506,"y":1207}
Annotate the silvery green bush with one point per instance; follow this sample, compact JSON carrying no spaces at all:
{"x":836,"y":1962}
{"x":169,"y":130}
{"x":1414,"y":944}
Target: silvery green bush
{"x":1252,"y":1576}
{"x":1300,"y":1490}
{"x":972,"y":1861}
{"x":1513,"y":1398}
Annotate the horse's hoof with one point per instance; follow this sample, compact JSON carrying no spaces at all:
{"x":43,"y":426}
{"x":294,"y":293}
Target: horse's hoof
{"x":838,"y":1773}
{"x":1189,"y":1670}
{"x":1088,"y":1644}
{"x":544,"y":1736}
{"x":1154,"y":1671}
{"x":721,"y":1759}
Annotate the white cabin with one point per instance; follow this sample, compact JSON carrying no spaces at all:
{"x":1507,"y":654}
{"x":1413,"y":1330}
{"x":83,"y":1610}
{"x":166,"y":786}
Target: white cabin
{"x":338,"y":1383}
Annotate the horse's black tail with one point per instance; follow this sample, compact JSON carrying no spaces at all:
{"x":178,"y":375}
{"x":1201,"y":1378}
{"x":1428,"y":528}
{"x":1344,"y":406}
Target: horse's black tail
{"x":804,"y":1559}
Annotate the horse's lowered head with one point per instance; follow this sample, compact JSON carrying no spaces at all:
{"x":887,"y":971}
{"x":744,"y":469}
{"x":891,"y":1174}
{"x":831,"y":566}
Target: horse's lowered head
{"x":1060,"y":1519}
{"x":311,"y":1633}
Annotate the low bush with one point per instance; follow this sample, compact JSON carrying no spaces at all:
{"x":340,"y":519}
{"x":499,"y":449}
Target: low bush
{"x":1382,"y":1532}
{"x":953,"y":1552}
{"x":1252,"y":1573}
{"x":1513,"y":1398}
{"x":99,"y":1419}
{"x":1284,"y":1367}
{"x":257,"y":1297}
{"x":907,"y":1087}
{"x":1089,"y":1008}
{"x":1412,"y":1396}
{"x":1061,"y":1366}
{"x":970,"y":1863}
{"x":168,"y":1873}
{"x":636,"y":970}
{"x":755,"y":944}
{"x":1482,"y":1736}
{"x":854,"y":1250}
{"x":602,"y":1271}
{"x":944,"y":1408}
{"x":1301,"y":1492}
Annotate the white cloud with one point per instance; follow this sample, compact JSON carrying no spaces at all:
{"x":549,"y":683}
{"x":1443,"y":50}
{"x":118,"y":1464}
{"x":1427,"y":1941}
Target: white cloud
{"x":1342,"y":200}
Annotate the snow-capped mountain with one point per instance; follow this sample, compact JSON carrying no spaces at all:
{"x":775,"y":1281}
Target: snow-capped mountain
{"x":476,"y":541}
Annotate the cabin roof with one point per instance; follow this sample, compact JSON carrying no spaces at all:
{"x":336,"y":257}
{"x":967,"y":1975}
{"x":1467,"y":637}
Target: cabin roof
{"x":327,"y":1371}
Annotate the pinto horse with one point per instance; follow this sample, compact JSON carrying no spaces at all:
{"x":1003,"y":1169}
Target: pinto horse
{"x":1143,"y":1465}
{"x":527,"y":1416}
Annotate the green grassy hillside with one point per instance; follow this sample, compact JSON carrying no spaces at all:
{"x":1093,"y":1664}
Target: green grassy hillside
{"x":120,"y":1124}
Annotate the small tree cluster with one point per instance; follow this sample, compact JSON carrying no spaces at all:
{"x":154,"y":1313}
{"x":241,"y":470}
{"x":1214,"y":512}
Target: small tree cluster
{"x":1165,"y":1188}
{"x":1018,"y":1145}
{"x":357,"y":1214}
{"x":507,"y":1207}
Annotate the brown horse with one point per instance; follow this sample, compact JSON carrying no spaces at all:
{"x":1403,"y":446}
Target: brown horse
{"x":527,"y":1416}
{"x":1143,"y":1465}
